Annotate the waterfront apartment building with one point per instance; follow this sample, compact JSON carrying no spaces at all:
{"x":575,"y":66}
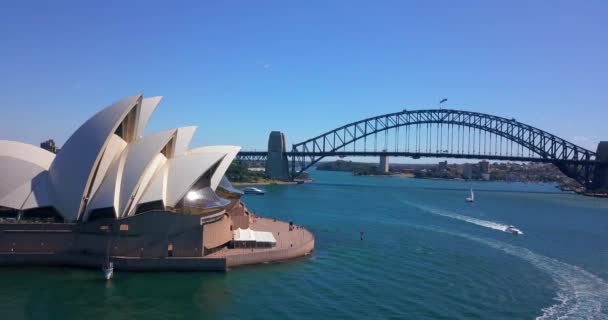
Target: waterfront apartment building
{"x":467,"y":171}
{"x":484,"y":167}
{"x":49,"y":145}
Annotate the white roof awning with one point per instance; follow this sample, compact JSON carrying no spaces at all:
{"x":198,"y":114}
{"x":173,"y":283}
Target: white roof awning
{"x":252,"y":235}
{"x":264,"y":236}
{"x":243,"y":235}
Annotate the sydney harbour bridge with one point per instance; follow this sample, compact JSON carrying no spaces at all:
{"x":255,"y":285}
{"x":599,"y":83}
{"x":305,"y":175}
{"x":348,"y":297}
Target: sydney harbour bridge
{"x":437,"y":133}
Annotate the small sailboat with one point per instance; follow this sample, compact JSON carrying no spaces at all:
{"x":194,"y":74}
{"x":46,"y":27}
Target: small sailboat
{"x":471,"y":197}
{"x":108,"y":270}
{"x":107,"y":267}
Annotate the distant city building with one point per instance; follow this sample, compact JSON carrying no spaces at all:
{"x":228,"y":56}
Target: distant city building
{"x":485,"y":176}
{"x":484,"y":167}
{"x":467,"y":171}
{"x":384,"y":164}
{"x":49,"y":145}
{"x":443,"y":166}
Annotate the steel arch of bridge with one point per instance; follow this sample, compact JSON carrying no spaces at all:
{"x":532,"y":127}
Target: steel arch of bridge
{"x":574,"y":161}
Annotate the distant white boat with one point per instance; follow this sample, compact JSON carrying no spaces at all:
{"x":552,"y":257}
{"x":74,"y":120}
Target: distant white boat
{"x":514,"y":231}
{"x":470,"y":198}
{"x":108,"y":270}
{"x":252,"y":190}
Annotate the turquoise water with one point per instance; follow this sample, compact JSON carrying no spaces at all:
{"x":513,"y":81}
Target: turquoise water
{"x":426,"y":255}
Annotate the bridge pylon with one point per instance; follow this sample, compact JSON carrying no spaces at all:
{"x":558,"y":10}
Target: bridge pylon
{"x":277,"y":166}
{"x":600,"y":174}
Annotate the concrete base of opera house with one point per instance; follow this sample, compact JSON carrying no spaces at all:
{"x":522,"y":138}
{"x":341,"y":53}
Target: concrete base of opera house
{"x":292,"y":242}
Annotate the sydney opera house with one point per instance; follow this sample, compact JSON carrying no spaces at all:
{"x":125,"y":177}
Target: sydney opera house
{"x":148,"y":202}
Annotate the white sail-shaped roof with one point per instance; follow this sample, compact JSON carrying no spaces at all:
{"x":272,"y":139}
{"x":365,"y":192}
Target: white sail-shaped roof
{"x":20,"y":163}
{"x":229,"y":151}
{"x":148,"y":105}
{"x":74,"y":168}
{"x":128,"y":172}
{"x":108,"y":193}
{"x":14,"y":173}
{"x":184,"y":136}
{"x":26,"y":152}
{"x":33,"y":193}
{"x":153,"y":168}
{"x":185,"y":171}
{"x":17,"y":197}
{"x":116,"y":145}
{"x":107,"y":163}
{"x":41,"y":195}
{"x":139,"y":155}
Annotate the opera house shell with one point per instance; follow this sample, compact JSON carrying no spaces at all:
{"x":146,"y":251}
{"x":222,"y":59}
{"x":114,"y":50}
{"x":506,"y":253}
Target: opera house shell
{"x":109,"y":168}
{"x":113,"y":189}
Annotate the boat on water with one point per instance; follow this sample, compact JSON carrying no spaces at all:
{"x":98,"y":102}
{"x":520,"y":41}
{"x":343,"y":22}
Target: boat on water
{"x":108,"y":270}
{"x":514,"y":231}
{"x":471,"y":197}
{"x":107,"y":267}
{"x":253,"y":190}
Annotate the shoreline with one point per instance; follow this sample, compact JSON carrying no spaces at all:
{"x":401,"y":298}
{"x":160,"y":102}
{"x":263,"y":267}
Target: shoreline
{"x":265,"y":183}
{"x":269,"y":183}
{"x":408,"y":176}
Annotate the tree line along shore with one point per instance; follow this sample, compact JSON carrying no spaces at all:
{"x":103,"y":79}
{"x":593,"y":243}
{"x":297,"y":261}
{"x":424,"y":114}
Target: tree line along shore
{"x":483,"y":170}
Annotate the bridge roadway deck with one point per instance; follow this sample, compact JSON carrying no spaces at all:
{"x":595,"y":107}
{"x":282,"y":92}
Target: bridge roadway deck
{"x":417,"y":155}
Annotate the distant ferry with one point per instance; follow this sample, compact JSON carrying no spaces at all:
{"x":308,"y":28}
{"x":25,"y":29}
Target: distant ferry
{"x":252,"y":190}
{"x":512,"y":230}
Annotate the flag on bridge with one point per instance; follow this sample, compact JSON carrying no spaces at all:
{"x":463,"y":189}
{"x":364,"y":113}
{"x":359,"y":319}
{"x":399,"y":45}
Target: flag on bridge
{"x":443,"y":100}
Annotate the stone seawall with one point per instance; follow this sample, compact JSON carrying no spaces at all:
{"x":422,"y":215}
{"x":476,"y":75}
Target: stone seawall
{"x":120,"y":263}
{"x":270,"y":256}
{"x":62,"y":245}
{"x":292,"y":242}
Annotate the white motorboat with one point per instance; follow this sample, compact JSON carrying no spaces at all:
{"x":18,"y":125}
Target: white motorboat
{"x":471,"y":197}
{"x":253,"y":190}
{"x":514,"y":231}
{"x":108,"y":270}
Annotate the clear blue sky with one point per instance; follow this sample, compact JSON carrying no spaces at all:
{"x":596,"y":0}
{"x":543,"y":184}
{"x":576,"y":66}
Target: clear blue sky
{"x":239,"y":69}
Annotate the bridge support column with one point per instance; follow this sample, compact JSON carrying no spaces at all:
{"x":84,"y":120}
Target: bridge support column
{"x":600,"y":174}
{"x":384,"y":167}
{"x":277,"y":166}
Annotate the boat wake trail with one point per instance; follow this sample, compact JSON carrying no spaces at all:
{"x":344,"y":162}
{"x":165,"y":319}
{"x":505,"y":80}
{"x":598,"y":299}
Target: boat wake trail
{"x":452,"y":215}
{"x":581,"y":295}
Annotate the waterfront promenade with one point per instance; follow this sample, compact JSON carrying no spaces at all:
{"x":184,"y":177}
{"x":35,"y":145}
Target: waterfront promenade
{"x":290,"y":244}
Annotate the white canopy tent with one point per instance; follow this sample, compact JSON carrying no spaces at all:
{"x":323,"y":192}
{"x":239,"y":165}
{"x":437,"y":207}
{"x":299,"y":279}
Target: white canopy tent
{"x":263,"y":236}
{"x":243,"y":236}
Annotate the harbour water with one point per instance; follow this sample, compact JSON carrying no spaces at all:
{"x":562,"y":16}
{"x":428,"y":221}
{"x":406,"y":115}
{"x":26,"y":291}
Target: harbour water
{"x":426,"y":254}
